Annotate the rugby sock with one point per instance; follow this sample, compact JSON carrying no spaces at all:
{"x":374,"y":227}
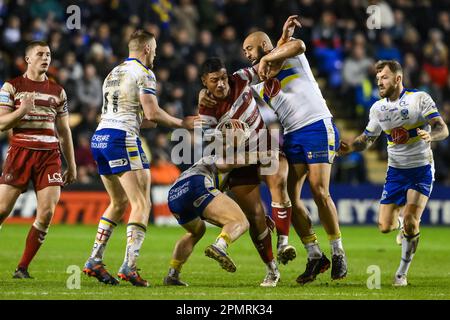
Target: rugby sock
{"x":312,"y":246}
{"x":223,"y":241}
{"x":35,"y":238}
{"x":175,"y":268}
{"x":409,"y":247}
{"x":135,"y":238}
{"x":281,"y":215}
{"x":104,"y":231}
{"x":336,"y":244}
{"x":263,"y":243}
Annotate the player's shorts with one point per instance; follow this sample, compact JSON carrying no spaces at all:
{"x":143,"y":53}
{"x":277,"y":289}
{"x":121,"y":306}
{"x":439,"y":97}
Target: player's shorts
{"x":399,"y":181}
{"x":189,"y":197}
{"x":315,"y":143}
{"x":42,"y":167}
{"x":117,"y":151}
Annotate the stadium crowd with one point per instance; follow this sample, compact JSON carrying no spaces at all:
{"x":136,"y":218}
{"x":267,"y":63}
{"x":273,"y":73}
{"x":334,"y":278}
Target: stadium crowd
{"x":341,"y":46}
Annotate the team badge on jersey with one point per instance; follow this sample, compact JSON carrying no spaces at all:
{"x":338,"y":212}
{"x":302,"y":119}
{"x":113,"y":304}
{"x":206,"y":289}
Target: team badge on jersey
{"x":405,"y":114}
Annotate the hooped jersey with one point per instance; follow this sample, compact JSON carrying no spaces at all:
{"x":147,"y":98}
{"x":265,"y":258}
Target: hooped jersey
{"x":121,"y":89}
{"x":36,"y":130}
{"x":411,"y":111}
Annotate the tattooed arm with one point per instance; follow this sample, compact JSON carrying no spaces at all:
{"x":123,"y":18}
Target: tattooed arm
{"x":360,"y":143}
{"x":439,"y":130}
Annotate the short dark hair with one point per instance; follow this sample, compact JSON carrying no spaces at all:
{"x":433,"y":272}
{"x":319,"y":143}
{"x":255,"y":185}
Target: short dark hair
{"x":35,"y":43}
{"x":393,"y":65}
{"x":139,"y":38}
{"x":211,"y":65}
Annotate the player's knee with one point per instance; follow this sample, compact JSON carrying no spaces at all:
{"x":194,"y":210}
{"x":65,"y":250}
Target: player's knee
{"x":120,"y":204}
{"x":385,"y":228}
{"x":320,"y":193}
{"x":141,"y":205}
{"x":198,"y":232}
{"x":410,"y":224}
{"x":44,"y":220}
{"x":245,"y":225}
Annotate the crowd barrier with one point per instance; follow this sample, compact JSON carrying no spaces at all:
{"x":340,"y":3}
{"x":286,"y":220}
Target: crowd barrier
{"x":355,"y":205}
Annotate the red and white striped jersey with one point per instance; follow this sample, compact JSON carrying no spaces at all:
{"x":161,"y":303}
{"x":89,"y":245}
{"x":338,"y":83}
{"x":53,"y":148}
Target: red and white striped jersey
{"x":36,"y":130}
{"x":240,"y":104}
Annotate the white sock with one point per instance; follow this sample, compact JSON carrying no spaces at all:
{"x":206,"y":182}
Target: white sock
{"x":336,"y":247}
{"x":272,"y":266}
{"x":135,"y":238}
{"x":221,"y":244}
{"x":282,"y":241}
{"x":409,"y":247}
{"x":104,"y":231}
{"x":313,"y":250}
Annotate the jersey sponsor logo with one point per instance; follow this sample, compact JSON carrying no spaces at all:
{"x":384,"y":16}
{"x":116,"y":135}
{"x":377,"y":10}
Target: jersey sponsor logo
{"x":197,"y":203}
{"x":385,"y":119}
{"x":118,"y":163}
{"x":317,"y":154}
{"x":55,"y":178}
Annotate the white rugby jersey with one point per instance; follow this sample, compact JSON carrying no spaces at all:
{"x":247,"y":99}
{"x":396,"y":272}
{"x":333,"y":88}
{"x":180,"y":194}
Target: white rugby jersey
{"x":299,"y":101}
{"x":121,"y":89}
{"x":206,"y":167}
{"x":410,"y":111}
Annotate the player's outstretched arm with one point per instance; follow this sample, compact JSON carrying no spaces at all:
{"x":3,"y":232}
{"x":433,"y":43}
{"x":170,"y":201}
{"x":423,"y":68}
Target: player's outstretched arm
{"x":153,"y":112}
{"x":9,"y":119}
{"x":361,"y":143}
{"x":439,"y":130}
{"x":66,"y":143}
{"x":288,"y":29}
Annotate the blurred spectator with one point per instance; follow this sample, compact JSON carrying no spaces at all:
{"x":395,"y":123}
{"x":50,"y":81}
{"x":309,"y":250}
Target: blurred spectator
{"x":11,"y":35}
{"x":187,"y":16}
{"x":328,"y":48}
{"x":86,"y":166}
{"x":89,"y":88}
{"x":191,"y":88}
{"x":436,"y":58}
{"x":387,"y":49}
{"x":356,"y":67}
{"x":411,"y":71}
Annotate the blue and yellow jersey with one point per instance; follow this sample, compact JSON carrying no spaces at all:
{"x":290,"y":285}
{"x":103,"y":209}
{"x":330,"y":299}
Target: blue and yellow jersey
{"x":411,"y":111}
{"x":299,"y":101}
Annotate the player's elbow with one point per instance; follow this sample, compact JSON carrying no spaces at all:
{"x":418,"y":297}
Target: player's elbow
{"x":298,"y":46}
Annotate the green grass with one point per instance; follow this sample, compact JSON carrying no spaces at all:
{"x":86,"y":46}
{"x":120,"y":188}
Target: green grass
{"x":70,"y":245}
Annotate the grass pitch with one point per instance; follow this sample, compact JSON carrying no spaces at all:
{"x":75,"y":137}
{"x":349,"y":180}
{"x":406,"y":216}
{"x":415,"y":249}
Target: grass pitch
{"x":66,"y":246}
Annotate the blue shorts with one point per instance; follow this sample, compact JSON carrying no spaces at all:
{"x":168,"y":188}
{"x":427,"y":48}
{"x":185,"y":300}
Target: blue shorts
{"x":399,"y":181}
{"x":315,"y":143}
{"x":189,"y":197}
{"x":117,"y":151}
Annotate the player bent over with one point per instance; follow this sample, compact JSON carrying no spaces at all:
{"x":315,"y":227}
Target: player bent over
{"x":129,"y":96}
{"x":195,"y":197}
{"x":36,"y":109}
{"x":406,"y":117}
